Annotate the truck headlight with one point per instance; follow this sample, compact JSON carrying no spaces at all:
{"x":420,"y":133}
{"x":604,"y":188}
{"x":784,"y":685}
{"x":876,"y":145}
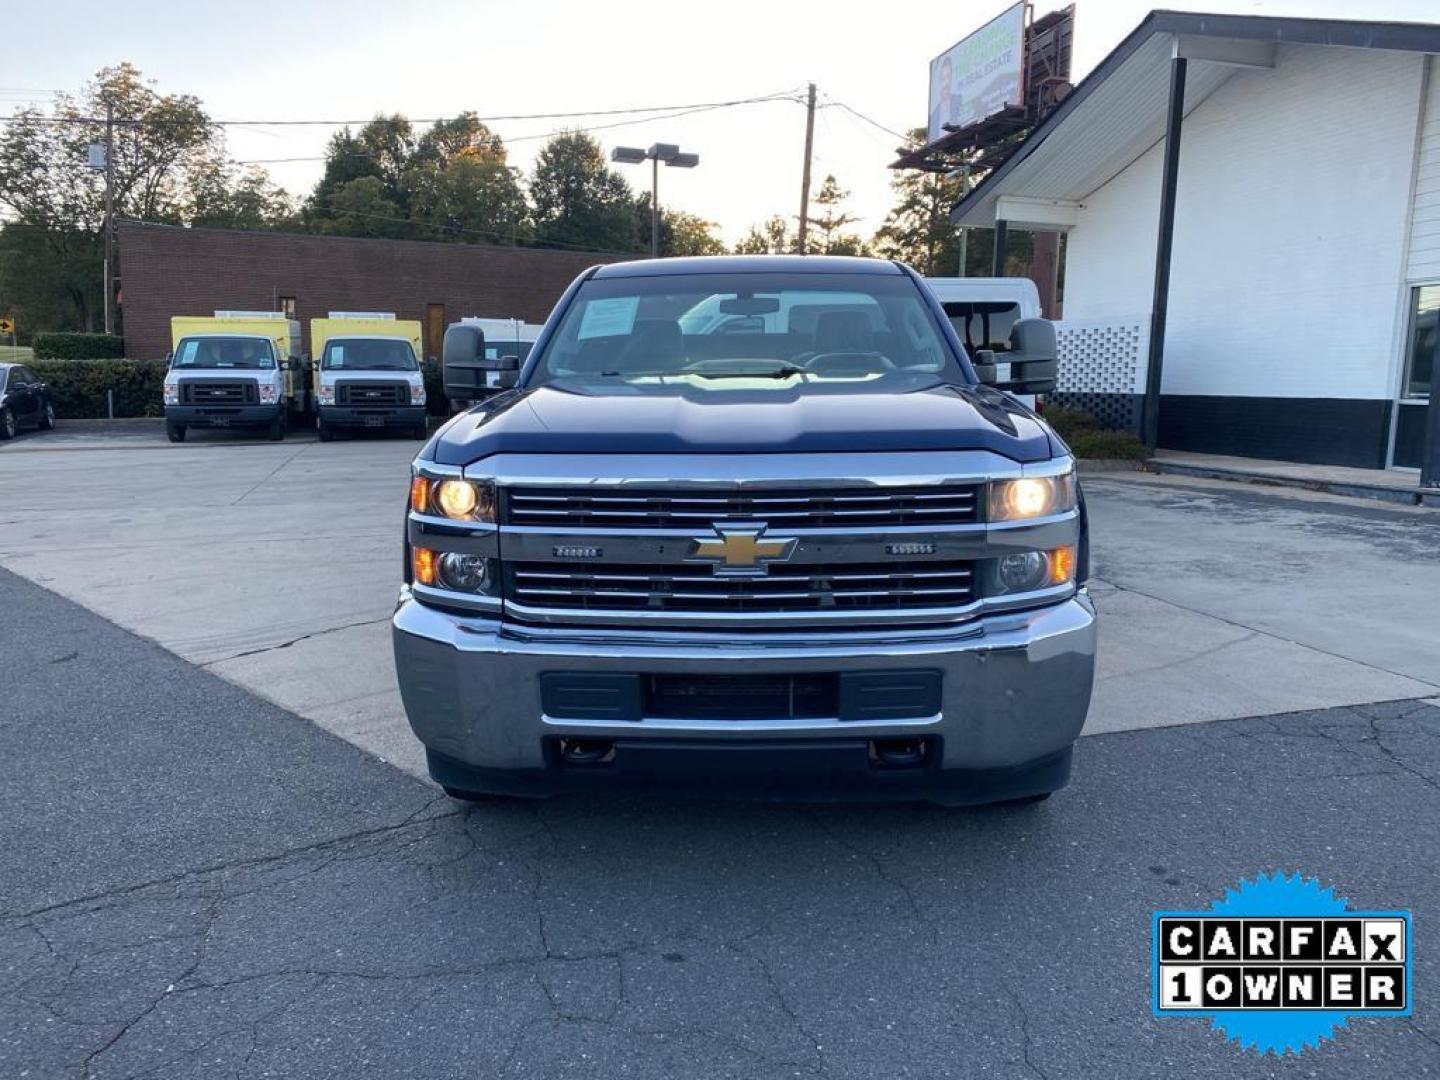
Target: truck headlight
{"x":417,"y":394}
{"x":1031,"y":497}
{"x":459,"y":500}
{"x":464,"y":573}
{"x":325,"y":395}
{"x":172,"y":393}
{"x":1027,"y":571}
{"x":269,"y":395}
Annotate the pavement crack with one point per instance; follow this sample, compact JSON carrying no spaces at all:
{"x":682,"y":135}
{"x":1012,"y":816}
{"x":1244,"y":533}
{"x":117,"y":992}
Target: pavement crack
{"x":112,"y":897}
{"x":271,"y":473}
{"x":1266,"y":633}
{"x":294,"y":641}
{"x":1024,"y":1013}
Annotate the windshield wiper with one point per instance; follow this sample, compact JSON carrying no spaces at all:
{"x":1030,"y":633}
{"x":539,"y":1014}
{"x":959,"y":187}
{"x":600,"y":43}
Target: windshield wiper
{"x":783,"y":372}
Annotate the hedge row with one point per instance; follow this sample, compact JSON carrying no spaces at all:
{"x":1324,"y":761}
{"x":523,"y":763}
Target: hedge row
{"x":70,"y":346}
{"x":77,"y":387}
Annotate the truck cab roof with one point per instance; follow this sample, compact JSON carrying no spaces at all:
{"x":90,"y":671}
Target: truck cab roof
{"x":747,"y":264}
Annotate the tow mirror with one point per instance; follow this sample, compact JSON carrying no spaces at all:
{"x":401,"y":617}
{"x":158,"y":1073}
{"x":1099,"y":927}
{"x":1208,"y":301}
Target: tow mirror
{"x":984,"y":364}
{"x":508,"y":372}
{"x":1033,"y":359}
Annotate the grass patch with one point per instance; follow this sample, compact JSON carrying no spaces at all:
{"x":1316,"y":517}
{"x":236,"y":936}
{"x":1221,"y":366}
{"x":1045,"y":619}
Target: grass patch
{"x":1087,"y":439}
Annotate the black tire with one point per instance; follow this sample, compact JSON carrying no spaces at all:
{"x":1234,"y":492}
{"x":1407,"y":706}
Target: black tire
{"x":9,"y":425}
{"x":422,"y":430}
{"x":276,"y":431}
{"x":47,"y":418}
{"x":327,"y":431}
{"x":175,"y":432}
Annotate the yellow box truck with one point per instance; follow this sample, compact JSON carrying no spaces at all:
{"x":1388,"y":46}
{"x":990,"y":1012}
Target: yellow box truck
{"x":234,"y":369}
{"x":367,"y":373}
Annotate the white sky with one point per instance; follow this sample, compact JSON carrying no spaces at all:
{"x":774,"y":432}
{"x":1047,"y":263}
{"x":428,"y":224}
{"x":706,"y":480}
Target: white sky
{"x":305,"y":60}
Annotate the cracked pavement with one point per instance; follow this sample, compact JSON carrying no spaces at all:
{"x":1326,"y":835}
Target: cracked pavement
{"x":197,"y":883}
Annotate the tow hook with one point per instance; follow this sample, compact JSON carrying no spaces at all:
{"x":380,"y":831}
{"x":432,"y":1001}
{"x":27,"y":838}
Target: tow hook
{"x":898,"y":753}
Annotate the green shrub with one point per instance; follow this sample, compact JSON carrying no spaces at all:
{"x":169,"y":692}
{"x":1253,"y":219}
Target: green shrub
{"x":1087,"y":439}
{"x":77,"y":387}
{"x":71,"y":346}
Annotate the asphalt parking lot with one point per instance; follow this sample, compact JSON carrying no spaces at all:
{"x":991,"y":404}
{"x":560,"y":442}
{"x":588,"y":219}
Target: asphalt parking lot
{"x":198,"y":880}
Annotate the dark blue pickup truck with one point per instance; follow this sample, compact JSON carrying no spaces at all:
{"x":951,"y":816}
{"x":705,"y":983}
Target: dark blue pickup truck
{"x":750,"y":526}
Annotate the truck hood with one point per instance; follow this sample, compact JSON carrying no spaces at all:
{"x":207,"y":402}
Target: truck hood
{"x":550,"y":419}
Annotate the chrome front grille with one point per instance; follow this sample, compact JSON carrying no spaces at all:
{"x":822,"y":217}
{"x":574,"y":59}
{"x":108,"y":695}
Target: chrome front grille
{"x":216,"y":392}
{"x":372,"y":393}
{"x":567,"y":507}
{"x":788,"y":587}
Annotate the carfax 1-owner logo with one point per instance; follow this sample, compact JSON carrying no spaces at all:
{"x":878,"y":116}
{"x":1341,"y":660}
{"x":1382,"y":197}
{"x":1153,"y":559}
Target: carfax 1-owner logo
{"x":1280,"y":963}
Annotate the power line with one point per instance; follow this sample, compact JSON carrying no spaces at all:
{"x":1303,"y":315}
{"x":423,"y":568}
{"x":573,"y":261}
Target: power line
{"x":832,"y":103}
{"x":702,"y":105}
{"x":691,"y":111}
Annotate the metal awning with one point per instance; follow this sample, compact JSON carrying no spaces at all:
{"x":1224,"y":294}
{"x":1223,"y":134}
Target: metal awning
{"x":1119,"y":110}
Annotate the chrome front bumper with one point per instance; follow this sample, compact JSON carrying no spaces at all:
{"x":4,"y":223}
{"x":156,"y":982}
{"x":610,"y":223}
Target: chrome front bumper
{"x":1015,"y":686}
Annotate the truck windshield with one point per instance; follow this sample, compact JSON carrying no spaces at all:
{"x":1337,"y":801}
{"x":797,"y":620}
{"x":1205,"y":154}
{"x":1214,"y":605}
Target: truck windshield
{"x":251,"y":353}
{"x":807,"y":330}
{"x":368,"y":354}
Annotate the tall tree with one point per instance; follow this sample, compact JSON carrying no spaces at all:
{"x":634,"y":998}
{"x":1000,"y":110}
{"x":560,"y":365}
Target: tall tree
{"x":459,"y":186}
{"x":579,"y":201}
{"x":164,"y":147}
{"x":829,"y":220}
{"x":917,"y":229}
{"x":771,"y":237}
{"x":226,"y":197}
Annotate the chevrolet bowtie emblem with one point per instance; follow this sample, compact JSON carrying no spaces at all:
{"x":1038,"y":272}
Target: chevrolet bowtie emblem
{"x":741,"y":549}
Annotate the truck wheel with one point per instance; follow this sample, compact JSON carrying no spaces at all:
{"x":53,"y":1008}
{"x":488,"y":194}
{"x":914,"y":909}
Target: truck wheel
{"x":9,"y":426}
{"x":175,"y":432}
{"x":276,"y":431}
{"x":422,"y":430}
{"x":327,"y":431}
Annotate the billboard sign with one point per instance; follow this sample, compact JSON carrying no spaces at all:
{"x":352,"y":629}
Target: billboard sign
{"x":979,"y":75}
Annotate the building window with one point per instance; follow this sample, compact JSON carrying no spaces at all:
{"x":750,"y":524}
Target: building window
{"x":287,"y":305}
{"x":1424,"y":340}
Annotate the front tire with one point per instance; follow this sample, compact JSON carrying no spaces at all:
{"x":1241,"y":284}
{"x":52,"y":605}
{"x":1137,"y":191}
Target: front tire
{"x":422,"y":430}
{"x":175,"y":432}
{"x":47,"y":418}
{"x":9,"y":425}
{"x":327,"y":431}
{"x":276,"y":430}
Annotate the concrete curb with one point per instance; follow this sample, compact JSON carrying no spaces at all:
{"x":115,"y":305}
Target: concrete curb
{"x":1415,"y":496}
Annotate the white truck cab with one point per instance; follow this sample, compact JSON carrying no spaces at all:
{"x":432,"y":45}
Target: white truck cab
{"x":367,"y":373}
{"x":984,"y":311}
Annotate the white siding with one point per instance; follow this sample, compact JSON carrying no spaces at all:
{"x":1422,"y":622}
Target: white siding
{"x":1425,"y":223}
{"x":1293,"y":203}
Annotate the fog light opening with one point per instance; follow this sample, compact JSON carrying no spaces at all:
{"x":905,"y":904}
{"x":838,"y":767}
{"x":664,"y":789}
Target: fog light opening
{"x":587,"y":751}
{"x":899,"y":753}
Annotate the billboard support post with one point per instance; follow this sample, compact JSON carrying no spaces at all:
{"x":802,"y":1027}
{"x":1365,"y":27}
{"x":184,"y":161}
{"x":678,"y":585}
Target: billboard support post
{"x":1163,"y":244}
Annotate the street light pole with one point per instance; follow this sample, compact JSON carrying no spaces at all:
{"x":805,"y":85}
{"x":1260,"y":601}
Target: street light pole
{"x":109,"y":213}
{"x":671,"y":155}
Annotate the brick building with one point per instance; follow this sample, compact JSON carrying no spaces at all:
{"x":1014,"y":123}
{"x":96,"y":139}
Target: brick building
{"x":168,"y":271}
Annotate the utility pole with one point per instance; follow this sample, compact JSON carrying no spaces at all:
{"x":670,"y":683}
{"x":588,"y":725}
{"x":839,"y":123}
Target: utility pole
{"x":109,"y":214}
{"x":654,"y":208}
{"x":805,"y":174}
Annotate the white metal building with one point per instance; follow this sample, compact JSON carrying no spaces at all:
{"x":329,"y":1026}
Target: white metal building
{"x":1302,"y":315}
